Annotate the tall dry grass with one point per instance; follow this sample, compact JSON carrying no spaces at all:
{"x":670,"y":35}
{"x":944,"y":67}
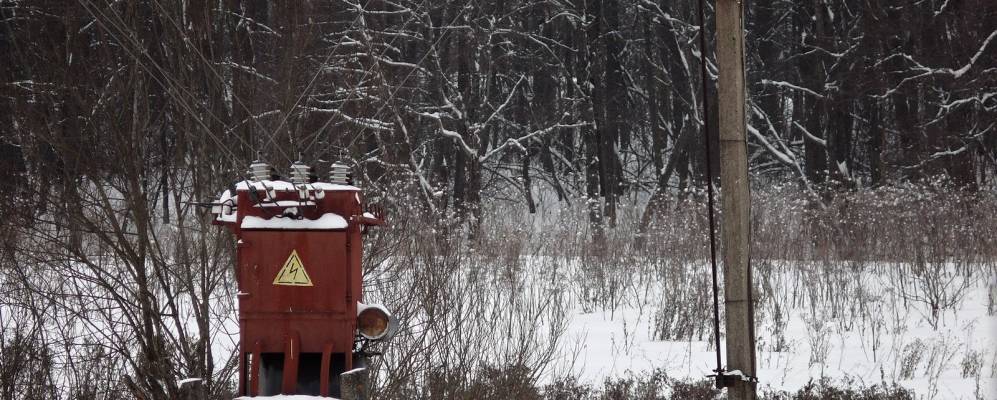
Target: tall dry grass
{"x":496,"y":306}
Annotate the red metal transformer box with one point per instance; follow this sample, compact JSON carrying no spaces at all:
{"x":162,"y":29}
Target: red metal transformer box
{"x":299,"y":276}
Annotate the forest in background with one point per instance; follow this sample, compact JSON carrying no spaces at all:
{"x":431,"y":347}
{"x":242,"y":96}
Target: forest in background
{"x":455,"y":101}
{"x":116,"y":116}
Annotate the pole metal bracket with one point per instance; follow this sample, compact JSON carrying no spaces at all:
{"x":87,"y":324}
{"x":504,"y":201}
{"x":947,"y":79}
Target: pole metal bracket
{"x":725,"y":379}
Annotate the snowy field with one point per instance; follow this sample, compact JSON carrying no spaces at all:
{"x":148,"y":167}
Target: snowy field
{"x":952,"y":360}
{"x":542,"y":297}
{"x":856,"y":324}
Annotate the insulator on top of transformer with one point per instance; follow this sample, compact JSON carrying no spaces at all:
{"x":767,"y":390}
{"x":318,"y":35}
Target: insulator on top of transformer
{"x":339,"y":174}
{"x":300,"y":173}
{"x":259,"y":170}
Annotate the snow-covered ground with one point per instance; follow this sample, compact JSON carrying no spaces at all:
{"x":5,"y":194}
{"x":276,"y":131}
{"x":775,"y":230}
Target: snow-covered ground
{"x":865,"y":323}
{"x":893,"y":342}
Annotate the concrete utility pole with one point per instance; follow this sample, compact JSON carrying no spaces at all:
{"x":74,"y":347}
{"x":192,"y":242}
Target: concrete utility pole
{"x":735,"y":198}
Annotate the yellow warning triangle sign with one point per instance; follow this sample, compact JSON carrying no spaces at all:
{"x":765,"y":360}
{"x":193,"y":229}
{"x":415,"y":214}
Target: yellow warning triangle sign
{"x":293,"y":272}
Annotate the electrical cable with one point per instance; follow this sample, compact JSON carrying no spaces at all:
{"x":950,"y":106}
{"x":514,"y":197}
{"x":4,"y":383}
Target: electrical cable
{"x":211,"y":68}
{"x":704,"y":78}
{"x":430,"y":50}
{"x":182,"y":102}
{"x":318,"y":133}
{"x":317,"y":72}
{"x":751,"y":298}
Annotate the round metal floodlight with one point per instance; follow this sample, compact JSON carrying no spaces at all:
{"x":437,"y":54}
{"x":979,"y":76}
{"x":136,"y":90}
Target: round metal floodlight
{"x":373,"y":323}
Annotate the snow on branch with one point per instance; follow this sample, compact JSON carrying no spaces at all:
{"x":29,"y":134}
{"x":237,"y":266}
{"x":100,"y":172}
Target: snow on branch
{"x":782,"y":157}
{"x":247,"y":69}
{"x":518,"y":142}
{"x":924,"y":71}
{"x":969,"y":143}
{"x":958,"y":73}
{"x":942,"y":8}
{"x":456,"y":136}
{"x":251,"y":22}
{"x":810,"y":136}
{"x":791,"y":86}
{"x":508,"y":99}
{"x":260,"y":115}
{"x":980,"y":100}
{"x":366,"y":123}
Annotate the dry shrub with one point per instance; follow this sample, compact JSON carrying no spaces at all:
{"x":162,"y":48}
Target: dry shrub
{"x":653,"y":385}
{"x":933,"y":222}
{"x":567,"y":388}
{"x":26,"y":367}
{"x":478,"y":321}
{"x":696,"y":390}
{"x":489,"y":383}
{"x":910,"y":358}
{"x":657,"y":385}
{"x":847,"y":390}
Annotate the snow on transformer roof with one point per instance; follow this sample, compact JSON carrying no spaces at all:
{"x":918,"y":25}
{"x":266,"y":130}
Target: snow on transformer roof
{"x":328,"y":221}
{"x":223,"y":208}
{"x":286,"y":186}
